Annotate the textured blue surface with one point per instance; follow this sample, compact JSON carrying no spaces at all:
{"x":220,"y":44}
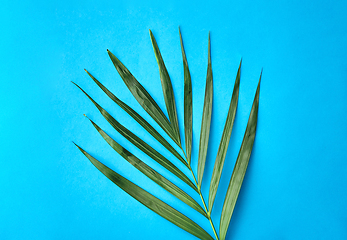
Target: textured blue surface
{"x":295,"y":186}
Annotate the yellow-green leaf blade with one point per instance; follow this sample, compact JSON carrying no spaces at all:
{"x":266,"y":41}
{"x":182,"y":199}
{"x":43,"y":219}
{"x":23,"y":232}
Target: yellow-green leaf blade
{"x":206,"y":118}
{"x":150,"y":201}
{"x":137,"y":117}
{"x":224,"y":143}
{"x":240,"y":167}
{"x":143,"y":97}
{"x":188,"y":104}
{"x":143,"y":146}
{"x":150,"y":172}
{"x":167,"y":89}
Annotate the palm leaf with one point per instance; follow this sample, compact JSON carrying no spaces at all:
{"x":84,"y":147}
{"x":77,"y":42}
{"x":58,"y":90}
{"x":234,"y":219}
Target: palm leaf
{"x":151,"y":152}
{"x":188,"y":102}
{"x":150,"y":172}
{"x":143,"y":97}
{"x":149,"y":200}
{"x":171,"y":128}
{"x":240,"y":167}
{"x":167,"y":89}
{"x":206,"y":118}
{"x":138,"y":119}
{"x":224,"y":143}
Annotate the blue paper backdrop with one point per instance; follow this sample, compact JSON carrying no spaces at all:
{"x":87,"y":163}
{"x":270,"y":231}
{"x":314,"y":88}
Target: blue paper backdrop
{"x":295,"y":186}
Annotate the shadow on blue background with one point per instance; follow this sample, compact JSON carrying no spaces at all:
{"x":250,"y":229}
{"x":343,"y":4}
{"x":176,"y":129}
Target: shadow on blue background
{"x":295,"y":186}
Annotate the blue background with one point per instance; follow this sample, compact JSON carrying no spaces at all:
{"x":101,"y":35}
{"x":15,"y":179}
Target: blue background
{"x":295,"y":186}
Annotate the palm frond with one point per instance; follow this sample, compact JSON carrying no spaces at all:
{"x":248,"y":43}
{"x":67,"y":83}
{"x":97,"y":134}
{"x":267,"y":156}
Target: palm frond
{"x":149,"y":200}
{"x":150,"y":172}
{"x":137,"y":117}
{"x":240,"y":167}
{"x":170,"y":126}
{"x":206,"y":118}
{"x":138,"y":142}
{"x":167,"y":90}
{"x":143,"y":97}
{"x":188,"y":104}
{"x":224,"y":142}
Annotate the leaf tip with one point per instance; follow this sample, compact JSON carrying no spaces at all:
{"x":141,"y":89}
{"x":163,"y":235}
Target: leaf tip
{"x":76,"y":145}
{"x":179,"y":31}
{"x":209,"y":45}
{"x":261,"y":74}
{"x":77,"y":85}
{"x":88,"y":118}
{"x":152,"y":37}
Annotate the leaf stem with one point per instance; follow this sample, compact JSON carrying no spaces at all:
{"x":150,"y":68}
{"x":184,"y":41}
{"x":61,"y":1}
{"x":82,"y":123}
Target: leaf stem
{"x":203,"y":201}
{"x":202,"y":198}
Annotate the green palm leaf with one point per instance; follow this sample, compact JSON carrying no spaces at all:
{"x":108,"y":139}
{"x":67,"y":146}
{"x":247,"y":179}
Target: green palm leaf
{"x":138,"y":119}
{"x":167,"y":89}
{"x":240,"y":167}
{"x":188,"y":102}
{"x":143,"y":97}
{"x":149,"y":200}
{"x":171,"y":128}
{"x":150,"y":172}
{"x":224,"y":142}
{"x":151,"y":152}
{"x":206,"y":118}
